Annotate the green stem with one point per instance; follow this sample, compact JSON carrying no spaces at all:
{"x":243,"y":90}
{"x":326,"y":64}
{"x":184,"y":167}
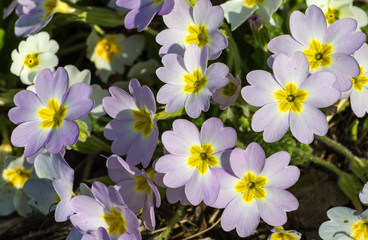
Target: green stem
{"x":337,"y":146}
{"x":173,"y":221}
{"x":319,"y":161}
{"x":151,"y":31}
{"x":348,"y":183}
{"x":233,"y":49}
{"x":358,"y":166}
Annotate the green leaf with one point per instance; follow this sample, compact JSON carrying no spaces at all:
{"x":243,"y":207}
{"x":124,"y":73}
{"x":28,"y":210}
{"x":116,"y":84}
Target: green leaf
{"x":91,"y":145}
{"x":2,"y":34}
{"x":354,"y":130}
{"x":296,"y":159}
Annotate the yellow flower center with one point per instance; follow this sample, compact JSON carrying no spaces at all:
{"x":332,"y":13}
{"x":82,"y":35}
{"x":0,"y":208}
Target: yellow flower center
{"x":107,"y":48}
{"x":49,"y":6}
{"x":116,"y":224}
{"x":230,"y":89}
{"x":318,"y":54}
{"x":252,"y":3}
{"x":359,"y":81}
{"x":251,"y":187}
{"x":332,"y":15}
{"x":283,"y":236}
{"x":202,"y":157}
{"x":144,"y":122}
{"x":53,"y":116}
{"x":197,"y":35}
{"x":17,"y":177}
{"x":157,"y":2}
{"x":194,"y":82}
{"x":31,"y":60}
{"x":291,"y":98}
{"x":360,"y":230}
{"x":142,"y":184}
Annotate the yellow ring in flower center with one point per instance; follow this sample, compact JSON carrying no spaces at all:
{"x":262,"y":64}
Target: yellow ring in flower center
{"x":202,"y":157}
{"x":291,"y":98}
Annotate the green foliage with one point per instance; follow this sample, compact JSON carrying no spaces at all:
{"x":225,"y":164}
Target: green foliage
{"x":91,"y":145}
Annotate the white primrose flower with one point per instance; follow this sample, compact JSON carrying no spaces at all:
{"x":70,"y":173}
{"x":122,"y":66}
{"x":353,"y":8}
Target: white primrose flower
{"x":34,"y":54}
{"x":111,"y":52}
{"x":337,"y":9}
{"x":14,"y":173}
{"x":345,"y":224}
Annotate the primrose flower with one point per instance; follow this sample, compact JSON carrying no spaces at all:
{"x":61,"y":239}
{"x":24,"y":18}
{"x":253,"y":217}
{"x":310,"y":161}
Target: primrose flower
{"x":237,"y":11}
{"x":55,"y":179}
{"x":107,"y":209}
{"x":255,"y":189}
{"x":14,"y":173}
{"x":337,"y":9}
{"x":47,"y":118}
{"x":173,"y":195}
{"x":278,"y":233}
{"x":228,"y":94}
{"x":193,"y":155}
{"x":103,"y":234}
{"x":136,"y":187}
{"x":290,"y":97}
{"x":359,"y":92}
{"x":34,"y":54}
{"x":189,"y":82}
{"x":133,"y":129}
{"x":344,"y":223}
{"x":36,"y":14}
{"x":111,"y":52}
{"x":143,"y":12}
{"x":198,"y":25}
{"x":326,"y":48}
{"x":363,"y":195}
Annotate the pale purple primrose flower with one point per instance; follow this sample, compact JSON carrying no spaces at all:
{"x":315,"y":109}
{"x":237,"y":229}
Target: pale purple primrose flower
{"x":47,"y":117}
{"x":228,"y":94}
{"x":198,"y":25}
{"x":173,"y":195}
{"x":136,"y":188}
{"x":344,"y":223}
{"x":133,"y":129}
{"x":54,"y":185}
{"x":326,"y":48}
{"x":290,"y":98}
{"x":255,"y":189}
{"x":359,"y":92}
{"x":107,"y":209}
{"x":103,"y":234}
{"x":143,"y":11}
{"x":36,"y":14}
{"x":193,"y":155}
{"x":57,"y":170}
{"x":189,"y":82}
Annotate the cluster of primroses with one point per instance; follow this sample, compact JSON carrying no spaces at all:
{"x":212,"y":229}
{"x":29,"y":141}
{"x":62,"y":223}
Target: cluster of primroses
{"x":319,"y":63}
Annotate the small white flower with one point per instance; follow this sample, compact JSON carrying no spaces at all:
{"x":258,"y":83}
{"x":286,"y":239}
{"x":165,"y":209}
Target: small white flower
{"x":363,"y":195}
{"x":237,"y":11}
{"x":344,"y":224}
{"x":112,"y":52}
{"x":14,"y":173}
{"x":278,"y":233}
{"x":337,"y":9}
{"x":34,"y":54}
